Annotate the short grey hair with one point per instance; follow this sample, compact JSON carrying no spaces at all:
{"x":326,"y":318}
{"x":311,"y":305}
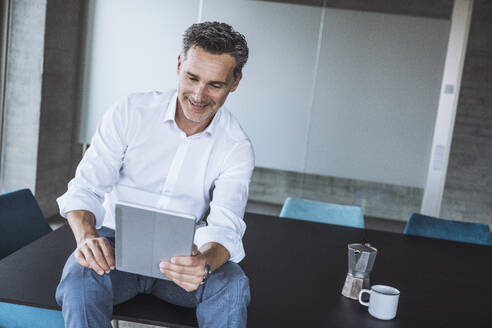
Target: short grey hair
{"x":217,"y":38}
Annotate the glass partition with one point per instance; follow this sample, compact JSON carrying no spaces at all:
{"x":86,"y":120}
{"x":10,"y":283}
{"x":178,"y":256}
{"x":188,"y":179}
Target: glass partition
{"x":340,"y":104}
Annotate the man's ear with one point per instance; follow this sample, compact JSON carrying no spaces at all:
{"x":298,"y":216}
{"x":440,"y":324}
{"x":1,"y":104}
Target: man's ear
{"x":236,"y":83}
{"x":179,"y":64}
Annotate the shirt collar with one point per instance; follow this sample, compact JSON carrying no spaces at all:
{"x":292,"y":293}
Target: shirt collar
{"x":171,"y":108}
{"x":171,"y":114}
{"x":210,"y":130}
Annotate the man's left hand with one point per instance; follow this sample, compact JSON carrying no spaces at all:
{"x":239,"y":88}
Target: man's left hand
{"x":186,"y":271}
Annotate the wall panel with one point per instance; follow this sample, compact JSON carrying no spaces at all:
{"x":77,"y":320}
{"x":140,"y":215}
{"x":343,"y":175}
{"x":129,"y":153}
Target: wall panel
{"x":376,"y":96}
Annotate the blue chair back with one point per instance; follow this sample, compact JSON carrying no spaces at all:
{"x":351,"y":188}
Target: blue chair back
{"x":23,"y":316}
{"x":21,"y":221}
{"x":308,"y":210}
{"x":467,"y":232}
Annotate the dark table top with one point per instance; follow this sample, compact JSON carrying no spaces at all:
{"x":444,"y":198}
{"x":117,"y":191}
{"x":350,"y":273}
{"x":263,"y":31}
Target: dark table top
{"x":297,"y":270}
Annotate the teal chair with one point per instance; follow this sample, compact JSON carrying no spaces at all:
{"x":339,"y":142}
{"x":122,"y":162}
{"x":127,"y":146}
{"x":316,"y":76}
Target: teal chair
{"x":22,"y":316}
{"x":21,"y":222}
{"x":308,"y":210}
{"x":467,"y":232}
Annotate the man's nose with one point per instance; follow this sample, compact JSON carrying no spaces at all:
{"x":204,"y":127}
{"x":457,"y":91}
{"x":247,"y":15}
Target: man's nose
{"x":199,"y":93}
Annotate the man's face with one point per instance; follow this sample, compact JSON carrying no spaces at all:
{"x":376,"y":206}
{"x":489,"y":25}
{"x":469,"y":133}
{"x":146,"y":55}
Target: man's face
{"x":204,"y":81}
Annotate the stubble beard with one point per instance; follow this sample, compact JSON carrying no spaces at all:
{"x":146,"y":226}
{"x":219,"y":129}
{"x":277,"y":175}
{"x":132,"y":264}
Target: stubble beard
{"x":201,"y":120}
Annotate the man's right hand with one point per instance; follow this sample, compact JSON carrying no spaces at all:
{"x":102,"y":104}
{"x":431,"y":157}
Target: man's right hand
{"x":95,"y":253}
{"x":92,"y":251}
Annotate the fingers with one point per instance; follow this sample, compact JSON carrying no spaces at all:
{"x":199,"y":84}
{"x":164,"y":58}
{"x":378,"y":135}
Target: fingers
{"x":183,"y":277}
{"x":96,"y":253}
{"x":89,"y":257}
{"x":99,"y":258}
{"x":184,"y":260}
{"x":189,"y":287}
{"x":196,"y":259}
{"x":195,"y":271}
{"x":188,"y":282}
{"x":187,"y":277}
{"x":81,"y":259}
{"x":108,"y":253}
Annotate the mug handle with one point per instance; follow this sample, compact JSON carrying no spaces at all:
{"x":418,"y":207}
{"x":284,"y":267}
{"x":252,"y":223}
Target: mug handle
{"x":360,"y":296}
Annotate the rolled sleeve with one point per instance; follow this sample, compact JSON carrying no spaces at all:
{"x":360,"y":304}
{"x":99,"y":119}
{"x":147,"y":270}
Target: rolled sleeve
{"x":77,"y":198}
{"x":225,"y":224}
{"x":228,"y":238}
{"x":98,"y":171}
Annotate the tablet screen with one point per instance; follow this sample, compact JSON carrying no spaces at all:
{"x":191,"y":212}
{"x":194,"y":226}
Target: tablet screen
{"x":145,"y":236}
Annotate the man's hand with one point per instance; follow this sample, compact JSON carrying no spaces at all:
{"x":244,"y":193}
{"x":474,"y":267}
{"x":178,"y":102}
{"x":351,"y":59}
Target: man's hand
{"x":186,"y":271}
{"x":92,"y":251}
{"x":95,"y":253}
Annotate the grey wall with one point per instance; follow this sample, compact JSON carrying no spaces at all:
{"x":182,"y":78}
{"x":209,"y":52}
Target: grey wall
{"x":468,"y":189}
{"x":376,"y":199}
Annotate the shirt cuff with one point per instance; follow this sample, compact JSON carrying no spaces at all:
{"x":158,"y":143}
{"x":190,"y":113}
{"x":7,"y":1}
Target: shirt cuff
{"x":71,"y":201}
{"x":223,"y":236}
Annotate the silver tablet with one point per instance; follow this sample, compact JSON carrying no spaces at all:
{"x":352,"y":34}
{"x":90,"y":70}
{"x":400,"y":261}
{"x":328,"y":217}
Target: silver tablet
{"x":146,"y":236}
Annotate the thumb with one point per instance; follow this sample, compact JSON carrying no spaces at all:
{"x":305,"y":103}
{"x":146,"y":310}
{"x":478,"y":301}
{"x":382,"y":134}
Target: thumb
{"x":195,"y":250}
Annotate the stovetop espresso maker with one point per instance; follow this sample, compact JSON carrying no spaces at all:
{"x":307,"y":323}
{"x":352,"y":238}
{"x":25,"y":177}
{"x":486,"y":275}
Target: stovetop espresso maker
{"x":361,"y":259}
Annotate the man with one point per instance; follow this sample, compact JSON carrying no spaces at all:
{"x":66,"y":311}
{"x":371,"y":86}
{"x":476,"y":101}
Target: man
{"x":186,"y":150}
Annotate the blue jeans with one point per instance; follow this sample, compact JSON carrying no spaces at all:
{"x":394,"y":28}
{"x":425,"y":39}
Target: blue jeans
{"x":87,"y":298}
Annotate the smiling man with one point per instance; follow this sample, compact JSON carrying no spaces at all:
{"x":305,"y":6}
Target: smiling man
{"x":186,"y":149}
{"x":205,"y":80}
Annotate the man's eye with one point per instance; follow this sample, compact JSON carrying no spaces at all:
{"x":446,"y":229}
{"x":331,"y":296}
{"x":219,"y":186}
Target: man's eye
{"x":193,"y":78}
{"x":216,"y":86}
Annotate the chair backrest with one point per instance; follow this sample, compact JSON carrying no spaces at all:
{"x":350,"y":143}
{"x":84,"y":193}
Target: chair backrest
{"x":21,"y":221}
{"x":308,"y":210}
{"x":467,"y":232}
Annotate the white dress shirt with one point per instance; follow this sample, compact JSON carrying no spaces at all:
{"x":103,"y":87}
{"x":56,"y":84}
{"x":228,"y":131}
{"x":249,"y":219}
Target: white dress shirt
{"x":139,"y":154}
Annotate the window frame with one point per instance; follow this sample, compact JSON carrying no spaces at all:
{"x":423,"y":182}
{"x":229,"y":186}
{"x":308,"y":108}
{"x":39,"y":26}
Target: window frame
{"x":5,"y":6}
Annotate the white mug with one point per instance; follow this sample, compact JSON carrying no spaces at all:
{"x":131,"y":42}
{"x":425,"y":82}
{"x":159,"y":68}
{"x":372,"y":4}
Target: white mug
{"x":383,"y":301}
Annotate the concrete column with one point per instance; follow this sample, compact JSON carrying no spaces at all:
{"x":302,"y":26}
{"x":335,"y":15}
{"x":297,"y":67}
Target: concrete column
{"x":468,"y":189}
{"x":448,"y":102}
{"x":23,"y":95}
